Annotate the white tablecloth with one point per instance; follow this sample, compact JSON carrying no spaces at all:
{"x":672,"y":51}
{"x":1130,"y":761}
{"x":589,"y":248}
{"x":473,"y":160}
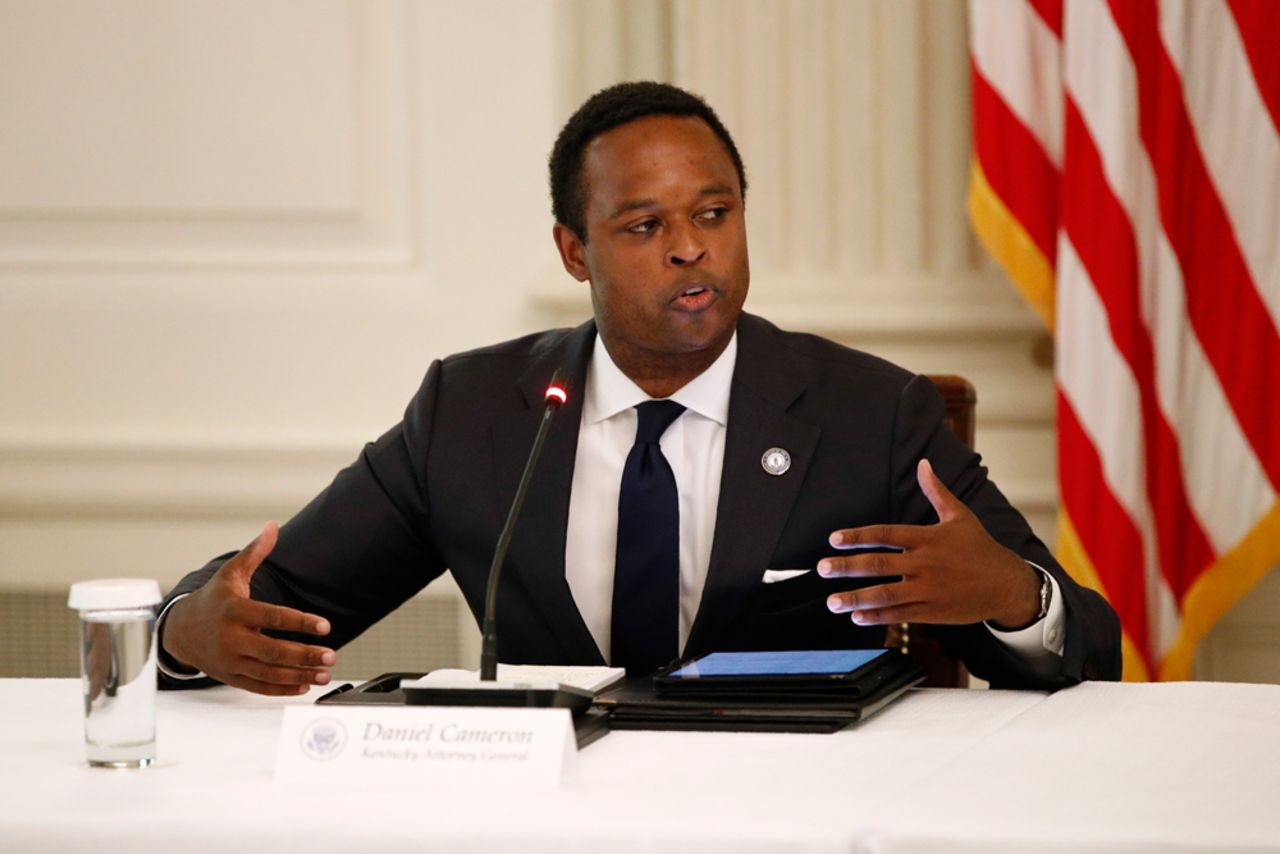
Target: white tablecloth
{"x":1173,"y":767}
{"x":1098,"y":766}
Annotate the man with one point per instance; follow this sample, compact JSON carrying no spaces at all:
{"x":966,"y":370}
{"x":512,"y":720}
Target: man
{"x":736,"y":513}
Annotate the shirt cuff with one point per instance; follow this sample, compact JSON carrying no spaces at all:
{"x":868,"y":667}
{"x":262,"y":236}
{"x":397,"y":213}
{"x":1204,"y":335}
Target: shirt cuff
{"x":165,"y":663}
{"x":1044,"y":637}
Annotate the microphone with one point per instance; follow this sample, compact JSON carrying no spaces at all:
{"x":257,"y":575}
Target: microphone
{"x":490,"y":692}
{"x":555,"y":397}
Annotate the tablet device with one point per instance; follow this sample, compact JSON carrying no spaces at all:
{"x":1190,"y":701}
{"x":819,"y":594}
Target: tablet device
{"x":788,"y":669}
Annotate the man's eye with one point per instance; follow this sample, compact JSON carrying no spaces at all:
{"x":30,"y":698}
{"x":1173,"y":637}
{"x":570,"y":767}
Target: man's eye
{"x":644,"y":227}
{"x":711,"y":214}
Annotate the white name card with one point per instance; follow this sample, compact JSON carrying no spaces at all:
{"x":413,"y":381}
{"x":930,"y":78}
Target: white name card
{"x":424,"y":744}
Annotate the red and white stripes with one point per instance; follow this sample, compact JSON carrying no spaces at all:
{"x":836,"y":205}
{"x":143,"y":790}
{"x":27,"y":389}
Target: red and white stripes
{"x":1127,"y":176}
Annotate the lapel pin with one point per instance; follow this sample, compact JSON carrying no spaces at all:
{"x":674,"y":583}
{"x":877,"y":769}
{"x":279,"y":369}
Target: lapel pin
{"x":776,"y":461}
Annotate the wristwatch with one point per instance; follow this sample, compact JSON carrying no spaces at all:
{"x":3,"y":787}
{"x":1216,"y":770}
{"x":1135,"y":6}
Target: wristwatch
{"x":1046,"y":595}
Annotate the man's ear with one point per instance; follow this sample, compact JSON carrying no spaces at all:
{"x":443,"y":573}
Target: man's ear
{"x":572,"y":251}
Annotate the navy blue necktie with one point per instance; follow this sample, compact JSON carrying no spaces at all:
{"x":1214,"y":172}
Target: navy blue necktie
{"x":646,"y":575}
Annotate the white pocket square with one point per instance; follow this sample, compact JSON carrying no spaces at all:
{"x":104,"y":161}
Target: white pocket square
{"x":773,"y":576}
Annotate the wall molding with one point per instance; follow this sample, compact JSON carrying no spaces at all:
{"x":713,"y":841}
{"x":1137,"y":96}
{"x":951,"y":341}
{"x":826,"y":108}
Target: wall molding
{"x":130,"y":477}
{"x":373,"y":225}
{"x":250,"y":479}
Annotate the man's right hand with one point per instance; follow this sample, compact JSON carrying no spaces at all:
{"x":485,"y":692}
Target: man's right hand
{"x":218,"y":629}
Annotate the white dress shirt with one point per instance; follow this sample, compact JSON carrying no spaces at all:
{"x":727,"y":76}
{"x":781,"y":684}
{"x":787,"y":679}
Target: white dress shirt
{"x":694,"y":448}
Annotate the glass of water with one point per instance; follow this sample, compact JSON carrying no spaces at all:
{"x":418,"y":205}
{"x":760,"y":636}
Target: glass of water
{"x":118,"y":669}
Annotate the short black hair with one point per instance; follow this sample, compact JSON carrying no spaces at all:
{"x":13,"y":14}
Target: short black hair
{"x":610,"y":108}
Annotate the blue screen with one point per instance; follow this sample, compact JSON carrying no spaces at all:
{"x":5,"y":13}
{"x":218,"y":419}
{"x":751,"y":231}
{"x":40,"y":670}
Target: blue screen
{"x":813,"y":662}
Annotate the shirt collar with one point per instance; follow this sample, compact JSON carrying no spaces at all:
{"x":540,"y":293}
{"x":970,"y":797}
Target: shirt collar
{"x":610,"y":391}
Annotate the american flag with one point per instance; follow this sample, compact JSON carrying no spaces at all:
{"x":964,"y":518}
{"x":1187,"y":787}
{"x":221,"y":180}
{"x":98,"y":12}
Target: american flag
{"x":1126,"y":176}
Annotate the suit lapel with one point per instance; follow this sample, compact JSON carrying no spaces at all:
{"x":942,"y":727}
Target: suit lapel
{"x":537,"y":550}
{"x":754,"y":505}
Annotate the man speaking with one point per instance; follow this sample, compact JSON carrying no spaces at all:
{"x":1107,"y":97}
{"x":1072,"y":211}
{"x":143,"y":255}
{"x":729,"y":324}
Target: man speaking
{"x":712,"y":483}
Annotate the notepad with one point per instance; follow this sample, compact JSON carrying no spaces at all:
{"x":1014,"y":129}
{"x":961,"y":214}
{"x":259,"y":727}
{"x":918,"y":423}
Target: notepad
{"x":593,"y":679}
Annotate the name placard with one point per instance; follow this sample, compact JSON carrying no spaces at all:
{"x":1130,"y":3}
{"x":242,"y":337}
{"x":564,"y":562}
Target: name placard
{"x":424,"y":744}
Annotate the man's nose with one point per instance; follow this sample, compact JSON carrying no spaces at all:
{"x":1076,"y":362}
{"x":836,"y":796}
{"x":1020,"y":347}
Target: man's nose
{"x":686,"y":247}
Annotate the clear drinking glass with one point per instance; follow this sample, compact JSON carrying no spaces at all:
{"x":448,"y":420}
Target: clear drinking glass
{"x":118,"y":669}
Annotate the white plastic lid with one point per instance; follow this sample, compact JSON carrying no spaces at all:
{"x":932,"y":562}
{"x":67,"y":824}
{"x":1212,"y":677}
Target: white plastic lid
{"x":110,"y":594}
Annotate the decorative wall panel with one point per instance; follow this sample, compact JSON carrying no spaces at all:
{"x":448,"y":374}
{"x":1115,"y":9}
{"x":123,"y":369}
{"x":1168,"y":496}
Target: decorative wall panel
{"x":204,"y":133}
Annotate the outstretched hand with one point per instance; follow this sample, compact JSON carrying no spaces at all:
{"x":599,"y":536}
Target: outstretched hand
{"x":218,"y":629}
{"x":952,"y":572}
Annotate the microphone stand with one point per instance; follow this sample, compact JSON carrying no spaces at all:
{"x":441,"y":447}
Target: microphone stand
{"x":490,"y":692}
{"x":489,"y":634}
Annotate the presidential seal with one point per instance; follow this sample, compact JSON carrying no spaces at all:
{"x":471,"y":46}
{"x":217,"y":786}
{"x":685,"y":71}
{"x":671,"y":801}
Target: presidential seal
{"x":323,"y":739}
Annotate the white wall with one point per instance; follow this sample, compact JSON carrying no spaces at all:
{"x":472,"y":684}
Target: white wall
{"x":234,"y":233}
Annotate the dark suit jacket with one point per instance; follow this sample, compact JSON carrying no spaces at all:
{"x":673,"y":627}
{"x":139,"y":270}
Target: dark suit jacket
{"x":431,"y":494}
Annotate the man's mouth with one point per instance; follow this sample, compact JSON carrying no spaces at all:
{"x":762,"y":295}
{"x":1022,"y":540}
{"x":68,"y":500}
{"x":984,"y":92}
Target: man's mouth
{"x":695,"y":298}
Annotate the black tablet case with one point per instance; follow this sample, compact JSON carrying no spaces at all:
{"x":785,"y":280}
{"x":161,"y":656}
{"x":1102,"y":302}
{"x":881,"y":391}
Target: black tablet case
{"x":635,"y":704}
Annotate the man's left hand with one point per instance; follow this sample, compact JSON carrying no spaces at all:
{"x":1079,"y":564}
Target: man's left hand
{"x":952,"y":572}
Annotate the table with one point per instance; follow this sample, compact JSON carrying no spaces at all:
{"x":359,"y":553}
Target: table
{"x":1109,"y":767}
